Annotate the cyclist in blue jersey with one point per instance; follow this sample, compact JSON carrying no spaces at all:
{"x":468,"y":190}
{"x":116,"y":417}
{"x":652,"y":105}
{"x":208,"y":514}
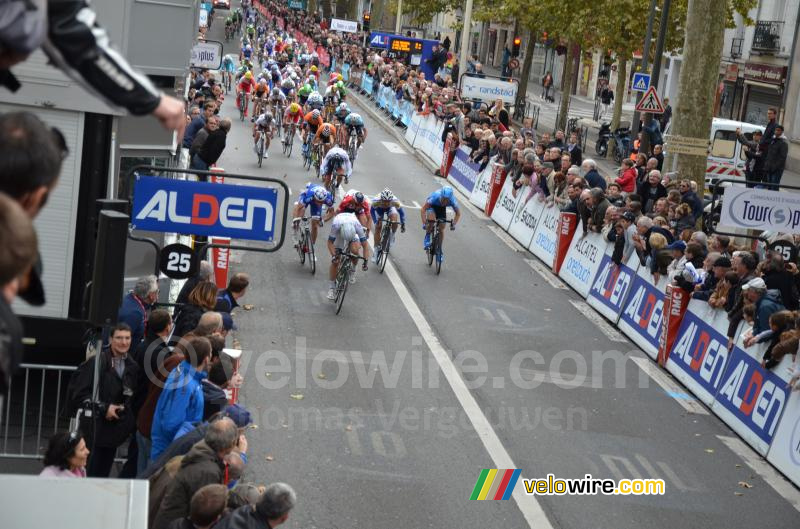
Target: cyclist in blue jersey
{"x":435,"y":208}
{"x":315,"y":196}
{"x":386,"y":204}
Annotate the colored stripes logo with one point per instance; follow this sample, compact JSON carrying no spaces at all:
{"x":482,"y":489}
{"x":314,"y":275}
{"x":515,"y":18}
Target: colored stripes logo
{"x":495,"y":484}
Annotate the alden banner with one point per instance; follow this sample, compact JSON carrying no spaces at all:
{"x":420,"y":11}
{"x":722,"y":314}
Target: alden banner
{"x":760,"y":209}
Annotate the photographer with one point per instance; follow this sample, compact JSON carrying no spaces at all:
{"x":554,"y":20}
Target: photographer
{"x":112,"y":422}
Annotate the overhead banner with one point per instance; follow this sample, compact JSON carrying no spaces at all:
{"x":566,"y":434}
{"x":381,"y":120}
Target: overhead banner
{"x":207,"y":55}
{"x":610,"y":286}
{"x":204,"y":208}
{"x":488,"y":89}
{"x":582,"y":261}
{"x":760,"y":209}
{"x":348,"y":26}
{"x":644,"y":309}
{"x":379,"y":40}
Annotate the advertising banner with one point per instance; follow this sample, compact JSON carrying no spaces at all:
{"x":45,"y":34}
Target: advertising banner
{"x":207,"y":55}
{"x":488,"y":89}
{"x":348,"y":26}
{"x":436,"y":150}
{"x":463,"y":173}
{"x":505,"y":206}
{"x":447,"y":156}
{"x":751,"y":399}
{"x":784,"y":452}
{"x":220,"y":259}
{"x":528,"y":213}
{"x":496,"y":182}
{"x":582,"y":261}
{"x":610,"y":287}
{"x":379,"y":40}
{"x":567,"y":224}
{"x":204,"y":208}
{"x":675,"y":304}
{"x":545,"y":238}
{"x":700,"y":353}
{"x":641,"y":318}
{"x":413,"y":129}
{"x":761,"y":209}
{"x":483,"y":185}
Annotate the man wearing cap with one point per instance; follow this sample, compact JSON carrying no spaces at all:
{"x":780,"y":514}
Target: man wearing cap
{"x":678,"y":258}
{"x":719,"y":267}
{"x":547,"y":169}
{"x":767,"y":303}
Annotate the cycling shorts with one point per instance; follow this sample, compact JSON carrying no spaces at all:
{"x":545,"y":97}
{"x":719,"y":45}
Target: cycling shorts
{"x":380,"y":212}
{"x":358,"y":128}
{"x":439,"y":211}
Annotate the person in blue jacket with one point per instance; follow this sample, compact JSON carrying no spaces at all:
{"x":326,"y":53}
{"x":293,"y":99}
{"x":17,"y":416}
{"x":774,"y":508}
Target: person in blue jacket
{"x":182,"y":398}
{"x":136,"y":306}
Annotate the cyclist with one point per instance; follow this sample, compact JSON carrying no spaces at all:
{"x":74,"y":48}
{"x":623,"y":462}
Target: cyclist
{"x":346,"y":234}
{"x":258,"y":96}
{"x":243,"y":89}
{"x":287,"y":85}
{"x":228,"y":27}
{"x":304,"y":92}
{"x":386,"y":204}
{"x":326,"y":135}
{"x":336,"y":160}
{"x":251,"y":32}
{"x":341,"y":91}
{"x":228,"y":67}
{"x":354,"y":121}
{"x":247,"y":52}
{"x":277,"y":100}
{"x":263,"y":125}
{"x":331,"y":96}
{"x":342,"y":111}
{"x":435,"y":208}
{"x":293,"y":114}
{"x":355,"y":202}
{"x":311,"y":123}
{"x":314,"y":72}
{"x":315,"y":101}
{"x":314,"y":196}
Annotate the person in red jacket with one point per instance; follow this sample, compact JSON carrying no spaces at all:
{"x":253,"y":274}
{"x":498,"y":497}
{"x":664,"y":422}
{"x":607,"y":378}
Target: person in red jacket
{"x":627,"y":178}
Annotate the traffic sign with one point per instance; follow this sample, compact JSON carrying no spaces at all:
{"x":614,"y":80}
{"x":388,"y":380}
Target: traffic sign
{"x":686,"y":145}
{"x":650,"y":102}
{"x":177,"y":261}
{"x":641,"y":82}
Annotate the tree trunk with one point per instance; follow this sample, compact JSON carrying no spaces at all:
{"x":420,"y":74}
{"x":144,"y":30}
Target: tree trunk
{"x":619,"y":95}
{"x":346,"y":9}
{"x":312,"y":7}
{"x":573,"y":52}
{"x":702,"y":48}
{"x":526,"y":69}
{"x":326,"y":9}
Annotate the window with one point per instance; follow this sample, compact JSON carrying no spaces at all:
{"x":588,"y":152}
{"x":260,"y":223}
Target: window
{"x":126,"y":163}
{"x":724,"y":145}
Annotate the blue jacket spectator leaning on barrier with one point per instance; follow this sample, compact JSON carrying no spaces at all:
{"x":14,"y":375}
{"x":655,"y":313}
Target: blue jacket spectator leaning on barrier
{"x":135,"y":307}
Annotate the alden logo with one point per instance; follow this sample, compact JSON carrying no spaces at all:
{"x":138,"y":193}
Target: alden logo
{"x":207,"y":211}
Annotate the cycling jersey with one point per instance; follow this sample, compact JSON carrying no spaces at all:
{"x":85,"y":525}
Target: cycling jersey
{"x":265,"y":121}
{"x":261,"y":90}
{"x":247,"y":53}
{"x":289,"y":117}
{"x":342,"y":115}
{"x":306,"y":198}
{"x":319,"y":137}
{"x":228,"y":64}
{"x":383,"y":207}
{"x":277,"y":99}
{"x":336,"y":156}
{"x":246,"y":86}
{"x":349,"y":205}
{"x":313,"y":124}
{"x":354,"y":120}
{"x":435,"y":199}
{"x":336,"y":226}
{"x":304,"y":90}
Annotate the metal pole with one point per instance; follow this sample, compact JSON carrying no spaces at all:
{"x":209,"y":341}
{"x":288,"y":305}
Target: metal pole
{"x":399,"y":16}
{"x":645,"y":63}
{"x":662,"y":35}
{"x":466,"y":33}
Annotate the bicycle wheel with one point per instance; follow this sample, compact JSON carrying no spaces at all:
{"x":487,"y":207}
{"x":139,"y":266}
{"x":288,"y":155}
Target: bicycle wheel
{"x":289,"y":143}
{"x":311,"y":256}
{"x":341,"y":286}
{"x":300,"y":244}
{"x":386,"y":243}
{"x":438,"y":254}
{"x":261,"y":149}
{"x":431,"y":247}
{"x":242,"y":104}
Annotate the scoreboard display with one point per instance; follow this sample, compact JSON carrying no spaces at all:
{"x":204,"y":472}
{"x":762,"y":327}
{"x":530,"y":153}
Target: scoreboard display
{"x":403,"y":49}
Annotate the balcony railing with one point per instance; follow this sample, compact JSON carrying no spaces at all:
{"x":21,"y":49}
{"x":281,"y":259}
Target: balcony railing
{"x":767,"y":36}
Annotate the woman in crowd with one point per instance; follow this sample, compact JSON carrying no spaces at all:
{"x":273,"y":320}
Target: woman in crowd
{"x":66,"y":456}
{"x":202,"y":299}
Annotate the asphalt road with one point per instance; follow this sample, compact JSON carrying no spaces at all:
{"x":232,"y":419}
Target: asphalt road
{"x":366,"y":416}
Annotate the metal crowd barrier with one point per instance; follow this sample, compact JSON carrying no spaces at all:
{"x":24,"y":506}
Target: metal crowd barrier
{"x":25,"y":419}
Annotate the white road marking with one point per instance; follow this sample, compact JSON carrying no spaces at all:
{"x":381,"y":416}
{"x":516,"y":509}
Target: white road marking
{"x":417,"y":205}
{"x":771,"y":476}
{"x":506,"y":238}
{"x":592,"y":315}
{"x":393,"y":147}
{"x":546,"y":274}
{"x":529,"y":506}
{"x":672,"y":388}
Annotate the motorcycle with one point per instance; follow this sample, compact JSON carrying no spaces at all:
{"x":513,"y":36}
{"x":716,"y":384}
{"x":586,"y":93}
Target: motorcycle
{"x":622,"y":139}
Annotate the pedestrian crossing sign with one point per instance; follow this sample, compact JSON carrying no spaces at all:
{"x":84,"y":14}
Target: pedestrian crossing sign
{"x":650,"y":102}
{"x":641,"y":82}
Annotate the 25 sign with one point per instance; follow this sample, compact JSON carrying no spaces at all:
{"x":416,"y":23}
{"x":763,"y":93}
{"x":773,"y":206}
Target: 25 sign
{"x":178,"y":261}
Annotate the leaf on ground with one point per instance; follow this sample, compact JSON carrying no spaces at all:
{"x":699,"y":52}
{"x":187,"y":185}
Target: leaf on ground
{"x":738,"y":465}
{"x":297,"y":396}
{"x":709,"y":450}
{"x":269,"y":458}
{"x":348,"y":428}
{"x":745,"y":485}
{"x":267,"y":375}
{"x":738,"y":493}
{"x":322,"y":376}
{"x":248,"y":307}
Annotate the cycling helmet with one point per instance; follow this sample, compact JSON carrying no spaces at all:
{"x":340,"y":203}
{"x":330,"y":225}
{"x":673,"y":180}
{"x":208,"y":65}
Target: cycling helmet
{"x":248,"y":75}
{"x":320,"y":194}
{"x":267,"y":115}
{"x":343,"y":108}
{"x":274,"y":67}
{"x":348,"y":232}
{"x":315,"y":114}
{"x":447,"y":192}
{"x":339,"y":77}
{"x":262,"y":83}
{"x":387,"y":195}
{"x":294,"y":108}
{"x":359,"y":197}
{"x":276,"y":91}
{"x":326,"y":130}
{"x":339,"y":85}
{"x":249,"y":48}
{"x":313,"y":68}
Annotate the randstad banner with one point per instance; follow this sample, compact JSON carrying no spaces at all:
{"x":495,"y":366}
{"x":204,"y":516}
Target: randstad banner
{"x":488,"y":89}
{"x":761,"y":209}
{"x":204,"y":208}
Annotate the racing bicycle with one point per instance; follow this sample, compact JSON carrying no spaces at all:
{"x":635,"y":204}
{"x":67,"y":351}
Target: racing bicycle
{"x":343,"y":277}
{"x":316,"y":158}
{"x":261,"y":145}
{"x":352,"y":148}
{"x":307,"y":155}
{"x":305,"y":246}
{"x":277,"y":111}
{"x":242,"y":105}
{"x":434,"y":251}
{"x":382,"y":252}
{"x":288,"y":140}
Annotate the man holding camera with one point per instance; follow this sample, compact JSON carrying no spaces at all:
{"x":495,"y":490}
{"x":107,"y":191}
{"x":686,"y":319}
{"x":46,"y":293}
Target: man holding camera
{"x":111,"y":422}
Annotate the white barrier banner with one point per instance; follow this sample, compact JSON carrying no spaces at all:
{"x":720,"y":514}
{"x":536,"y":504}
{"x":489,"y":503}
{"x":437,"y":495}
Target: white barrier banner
{"x":523,"y":225}
{"x":784,"y":452}
{"x":425,"y":134}
{"x":348,"y":26}
{"x":611,"y":286}
{"x":700,"y":353}
{"x":436,"y":151}
{"x":505,"y":206}
{"x":761,"y":209}
{"x":480,"y":193}
{"x":582,"y":261}
{"x":543,"y":244}
{"x":413,"y":129}
{"x":488,"y":89}
{"x":640,"y":320}
{"x":751,"y":399}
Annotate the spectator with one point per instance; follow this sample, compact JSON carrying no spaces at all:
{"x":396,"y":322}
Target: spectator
{"x":688,"y":196}
{"x":272,"y":510}
{"x":716,"y":268}
{"x":205,"y":509}
{"x":203,"y":465}
{"x":558,"y":190}
{"x":664,"y":119}
{"x":660,"y":256}
{"x":182,"y":399}
{"x":660,"y":208}
{"x":769,"y":130}
{"x":627,"y":177}
{"x":614,"y":195}
{"x":776,"y":159}
{"x":243,"y":494}
{"x":211,"y":124}
{"x":202,"y":299}
{"x":204,"y":273}
{"x":198,"y":124}
{"x":595,"y":211}
{"x":118,"y":379}
{"x":627,"y":222}
{"x":678,"y":262}
{"x":658,"y":154}
{"x":227,"y":299}
{"x":135,"y":307}
{"x":219,"y":376}
{"x":640,"y":164}
{"x":558,"y":142}
{"x":779,"y":275}
{"x":684,"y":220}
{"x":721,"y":244}
{"x":212,"y":147}
{"x":754,"y":168}
{"x":210,"y":323}
{"x":574,"y":150}
{"x":66,"y":456}
{"x":573,"y":194}
{"x":745,"y":265}
{"x":149,"y":355}
{"x":720,"y":298}
{"x":766,"y":303}
{"x":651,"y":190}
{"x":527,"y":131}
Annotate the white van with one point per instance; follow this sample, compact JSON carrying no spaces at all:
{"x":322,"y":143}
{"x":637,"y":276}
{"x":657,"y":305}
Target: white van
{"x":726,"y":158}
